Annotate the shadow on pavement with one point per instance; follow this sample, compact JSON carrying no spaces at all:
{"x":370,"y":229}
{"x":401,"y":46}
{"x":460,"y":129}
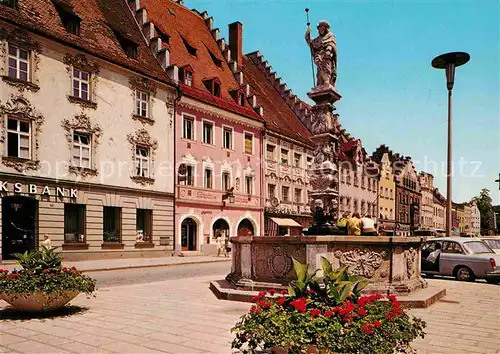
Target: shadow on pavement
{"x":11,"y":314}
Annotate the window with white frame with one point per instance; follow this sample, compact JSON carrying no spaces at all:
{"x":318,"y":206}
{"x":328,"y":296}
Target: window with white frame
{"x":226,"y":181}
{"x":18,"y":138}
{"x":227,"y":138}
{"x":141,"y":103}
{"x":188,"y":180}
{"x":284,"y":156}
{"x":208,"y":178}
{"x":285,"y":192}
{"x":81,"y":82}
{"x":188,"y":78}
{"x":297,"y":160}
{"x":248,"y":143}
{"x":298,"y":195}
{"x":142,"y":161}
{"x":208,"y":132}
{"x":18,"y":63}
{"x":81,"y":150}
{"x":188,"y":128}
{"x":249,"y":185}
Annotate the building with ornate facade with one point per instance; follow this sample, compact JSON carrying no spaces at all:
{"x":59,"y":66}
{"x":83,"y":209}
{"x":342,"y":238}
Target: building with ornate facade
{"x":459,"y":209}
{"x":88,"y":125}
{"x":218,"y":127}
{"x":439,"y":214}
{"x":408,"y":196}
{"x":427,"y":207}
{"x":387,"y":190}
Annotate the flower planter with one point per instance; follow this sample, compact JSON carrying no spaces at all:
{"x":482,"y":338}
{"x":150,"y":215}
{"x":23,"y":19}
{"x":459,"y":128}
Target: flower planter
{"x":279,"y":350}
{"x":39,"y":301}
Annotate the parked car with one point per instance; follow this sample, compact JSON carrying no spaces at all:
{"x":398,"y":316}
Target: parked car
{"x":493,"y":242}
{"x":464,"y":258}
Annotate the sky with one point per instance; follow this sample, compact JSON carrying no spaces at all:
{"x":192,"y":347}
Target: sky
{"x":390,"y":93}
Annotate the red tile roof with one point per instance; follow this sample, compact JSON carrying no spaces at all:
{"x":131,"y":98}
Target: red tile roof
{"x":186,"y":26}
{"x":278,"y":115}
{"x":99,"y":18}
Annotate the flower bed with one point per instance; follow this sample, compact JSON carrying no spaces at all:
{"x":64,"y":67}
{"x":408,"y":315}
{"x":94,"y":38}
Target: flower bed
{"x":326,"y":317}
{"x":42,"y":284}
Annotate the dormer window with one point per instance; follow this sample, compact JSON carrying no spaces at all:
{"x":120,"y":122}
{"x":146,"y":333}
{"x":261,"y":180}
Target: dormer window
{"x":216,"y":60}
{"x":69,"y":18}
{"x":238,"y":96}
{"x":164,"y":37}
{"x":191,"y":50}
{"x":128,"y":46}
{"x":9,"y":3}
{"x":213,"y":85}
{"x":186,"y":75}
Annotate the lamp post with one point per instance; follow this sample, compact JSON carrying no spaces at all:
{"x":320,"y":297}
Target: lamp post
{"x":449,"y":62}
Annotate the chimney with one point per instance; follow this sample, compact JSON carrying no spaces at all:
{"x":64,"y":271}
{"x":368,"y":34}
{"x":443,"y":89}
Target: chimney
{"x":236,"y":42}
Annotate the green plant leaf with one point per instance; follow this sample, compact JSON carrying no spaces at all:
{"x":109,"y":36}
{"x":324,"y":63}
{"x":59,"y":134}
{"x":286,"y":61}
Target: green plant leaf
{"x":326,"y":265}
{"x":300,"y":270}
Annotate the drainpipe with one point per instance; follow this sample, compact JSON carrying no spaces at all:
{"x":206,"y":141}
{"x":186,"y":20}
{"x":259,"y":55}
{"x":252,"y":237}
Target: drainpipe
{"x":177,"y":99}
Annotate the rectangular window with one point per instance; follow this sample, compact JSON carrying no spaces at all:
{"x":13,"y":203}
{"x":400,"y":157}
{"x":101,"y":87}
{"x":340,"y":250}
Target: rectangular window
{"x":298,"y":195}
{"x":309,"y":162}
{"x":188,"y":128}
{"x":144,"y":224}
{"x":285,"y":191}
{"x":297,"y":160}
{"x":226,"y":181}
{"x":18,"y":138}
{"x":74,"y":223}
{"x":227,"y":138}
{"x":188,"y":78}
{"x":216,"y":89}
{"x":142,"y":161}
{"x":248,"y":144}
{"x":18,"y":63}
{"x":141,"y":103}
{"x":112,"y":217}
{"x":270,"y":152}
{"x":81,"y":150}
{"x":208,"y":178}
{"x":189,"y":175}
{"x":248,"y":185}
{"x":81,"y":81}
{"x":208,"y":130}
{"x":284,"y":156}
{"x":271,"y":191}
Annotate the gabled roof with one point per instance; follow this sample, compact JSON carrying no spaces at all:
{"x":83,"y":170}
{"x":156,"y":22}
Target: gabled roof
{"x":279,"y":117}
{"x":187,"y":30}
{"x":100,"y":19}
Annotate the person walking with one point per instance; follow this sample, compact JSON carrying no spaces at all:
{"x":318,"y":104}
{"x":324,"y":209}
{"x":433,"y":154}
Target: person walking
{"x":354,"y":225}
{"x":368,"y":226}
{"x":219,"y":243}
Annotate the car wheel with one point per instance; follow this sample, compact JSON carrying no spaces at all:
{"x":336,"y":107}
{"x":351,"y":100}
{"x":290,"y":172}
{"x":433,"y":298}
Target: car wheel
{"x":464,"y":274}
{"x":493,"y":281}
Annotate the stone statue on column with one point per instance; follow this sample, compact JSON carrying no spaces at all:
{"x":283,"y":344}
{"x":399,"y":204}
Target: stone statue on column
{"x":324,"y":52}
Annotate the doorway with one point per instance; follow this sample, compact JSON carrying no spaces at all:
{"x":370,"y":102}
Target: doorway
{"x":245,"y":228}
{"x":19,"y":216}
{"x":221,"y":227}
{"x":189,"y":232}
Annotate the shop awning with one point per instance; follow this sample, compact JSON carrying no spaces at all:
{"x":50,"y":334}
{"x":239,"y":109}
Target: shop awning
{"x":286,"y":222}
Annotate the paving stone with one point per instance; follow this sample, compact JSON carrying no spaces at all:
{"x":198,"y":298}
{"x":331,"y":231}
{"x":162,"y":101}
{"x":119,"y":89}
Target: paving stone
{"x":22,"y":332}
{"x":7,"y":339}
{"x":30,"y":346}
{"x":122,"y":347}
{"x":76,"y":347}
{"x":51,"y":340}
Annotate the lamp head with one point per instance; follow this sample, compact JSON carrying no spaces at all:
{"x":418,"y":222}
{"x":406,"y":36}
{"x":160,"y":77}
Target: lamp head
{"x":449,"y":62}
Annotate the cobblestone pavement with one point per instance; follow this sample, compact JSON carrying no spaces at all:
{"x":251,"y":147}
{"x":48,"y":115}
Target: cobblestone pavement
{"x":182,"y":316}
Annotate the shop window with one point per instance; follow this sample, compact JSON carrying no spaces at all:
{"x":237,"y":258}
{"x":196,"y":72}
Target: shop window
{"x":74,"y":223}
{"x":18,"y":63}
{"x":112,"y":224}
{"x":18,"y":138}
{"x":144,"y":225}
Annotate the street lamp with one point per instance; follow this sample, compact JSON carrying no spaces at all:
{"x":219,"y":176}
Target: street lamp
{"x":449,"y":62}
{"x":228,"y":195}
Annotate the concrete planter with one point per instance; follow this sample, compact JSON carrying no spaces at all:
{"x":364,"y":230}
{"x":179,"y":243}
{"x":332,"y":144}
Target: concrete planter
{"x":39,"y":301}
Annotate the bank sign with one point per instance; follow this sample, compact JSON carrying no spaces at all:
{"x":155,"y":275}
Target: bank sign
{"x":18,"y":187}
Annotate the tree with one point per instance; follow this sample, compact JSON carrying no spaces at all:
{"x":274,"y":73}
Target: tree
{"x":485,"y":207}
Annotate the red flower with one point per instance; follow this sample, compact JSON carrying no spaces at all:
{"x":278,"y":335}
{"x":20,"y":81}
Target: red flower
{"x":46,"y":271}
{"x":254,"y":298}
{"x":367,"y":328}
{"x":336,"y":309}
{"x":65,"y":269}
{"x":12,"y":275}
{"x":315,"y":312}
{"x":329,"y":313}
{"x":299,"y":304}
{"x":377,"y":324}
{"x":391,"y":297}
{"x":264,"y":304}
{"x":362,"y":312}
{"x":284,"y":292}
{"x":255,"y":309}
{"x":272,"y":292}
{"x":281,"y":301}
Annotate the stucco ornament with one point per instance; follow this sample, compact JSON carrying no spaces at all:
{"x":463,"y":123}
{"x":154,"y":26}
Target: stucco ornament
{"x":142,"y":138}
{"x":324,"y":52}
{"x":19,"y":106}
{"x":410,"y":257}
{"x":360,"y":262}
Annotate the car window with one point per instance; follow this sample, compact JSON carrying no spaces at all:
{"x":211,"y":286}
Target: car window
{"x":493,"y":243}
{"x":474,"y":247}
{"x":456,"y":248}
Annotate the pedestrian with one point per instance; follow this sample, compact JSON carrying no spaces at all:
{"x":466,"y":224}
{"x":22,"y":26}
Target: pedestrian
{"x":342,"y":223}
{"x":219,"y":243}
{"x":46,"y":241}
{"x":368,"y":225}
{"x":226,"y":246}
{"x":354,"y":225}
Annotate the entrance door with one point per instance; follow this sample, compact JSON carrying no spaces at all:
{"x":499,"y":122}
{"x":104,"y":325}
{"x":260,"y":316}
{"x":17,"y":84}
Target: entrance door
{"x":18,"y":225}
{"x":245,"y":228}
{"x":188,"y":234}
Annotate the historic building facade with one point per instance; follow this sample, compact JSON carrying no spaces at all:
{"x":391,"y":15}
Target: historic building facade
{"x":475,"y":219}
{"x":387,"y":190}
{"x":426,"y":181}
{"x":408,"y":197}
{"x":439,"y":214}
{"x":86,"y":127}
{"x":218,"y":128}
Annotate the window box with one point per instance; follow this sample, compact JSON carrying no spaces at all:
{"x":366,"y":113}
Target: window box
{"x":75,"y":246}
{"x":112,"y":246}
{"x":82,"y":102}
{"x":141,"y":245}
{"x":23,"y":84}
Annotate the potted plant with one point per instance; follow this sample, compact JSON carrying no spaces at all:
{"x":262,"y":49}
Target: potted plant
{"x":42,"y":284}
{"x":326,"y":315}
